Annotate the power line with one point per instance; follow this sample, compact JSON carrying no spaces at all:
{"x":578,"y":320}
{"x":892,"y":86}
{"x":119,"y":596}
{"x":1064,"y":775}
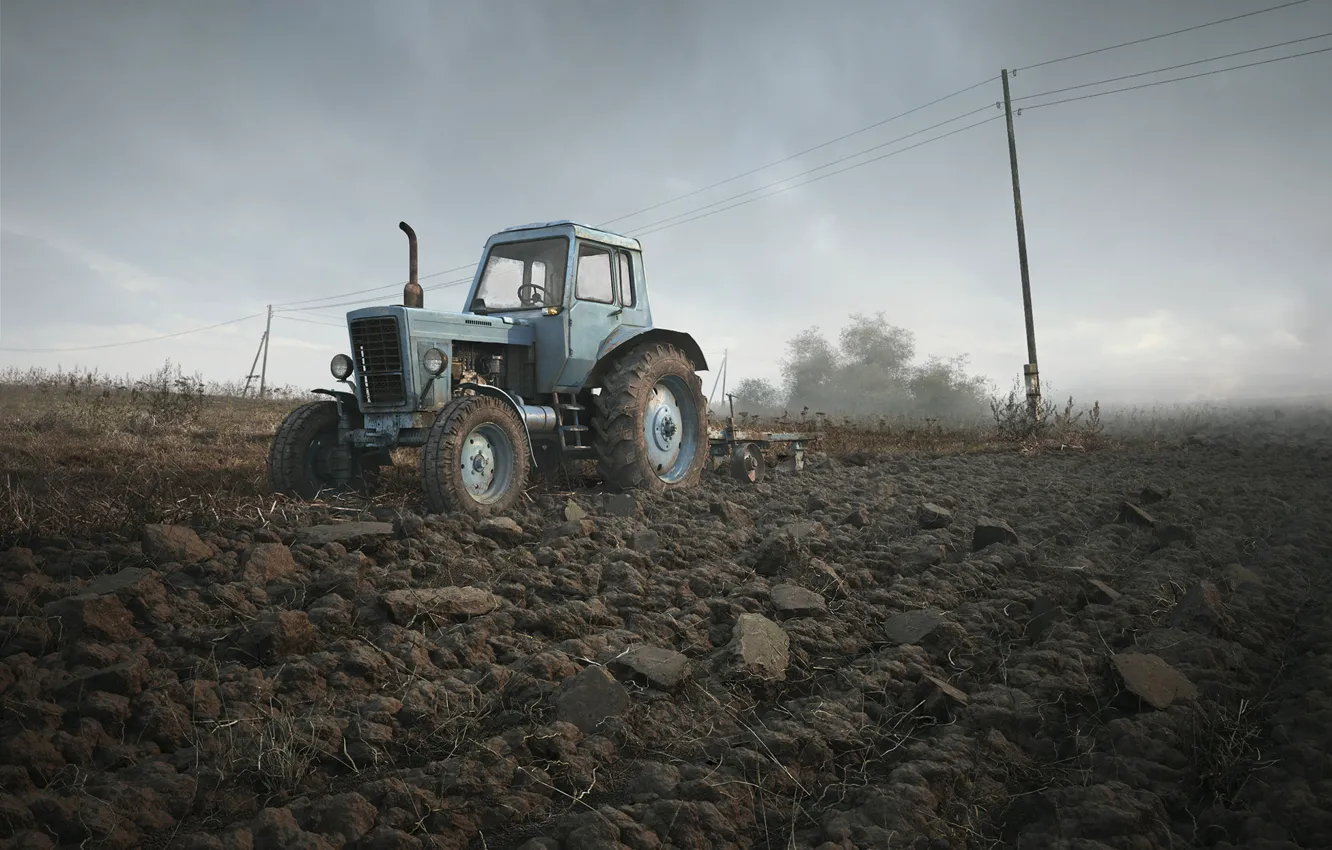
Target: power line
{"x":1176,"y":67}
{"x":1170,"y":80}
{"x":689,"y":216}
{"x":889,"y":119}
{"x":312,"y":322}
{"x":865,"y":129}
{"x":800,"y":153}
{"x":137,"y":341}
{"x":829,"y":174}
{"x":1161,"y":35}
{"x":668,"y":223}
{"x":445,"y":285}
{"x":821,"y":167}
{"x":820,"y":146}
{"x":371,"y":289}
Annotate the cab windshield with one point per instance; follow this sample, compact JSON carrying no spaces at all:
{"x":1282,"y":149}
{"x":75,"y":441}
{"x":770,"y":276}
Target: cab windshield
{"x":523,"y":276}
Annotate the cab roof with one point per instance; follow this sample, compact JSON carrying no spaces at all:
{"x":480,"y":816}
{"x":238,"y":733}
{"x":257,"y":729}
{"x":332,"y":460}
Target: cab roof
{"x":563,"y":227}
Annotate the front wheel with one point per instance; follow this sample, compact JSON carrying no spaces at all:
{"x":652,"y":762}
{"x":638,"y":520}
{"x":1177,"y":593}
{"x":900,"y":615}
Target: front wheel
{"x":300,"y":460}
{"x":475,"y":458}
{"x":651,"y":428}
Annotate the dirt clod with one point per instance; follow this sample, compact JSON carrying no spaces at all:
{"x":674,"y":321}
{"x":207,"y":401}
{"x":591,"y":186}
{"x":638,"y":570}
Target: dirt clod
{"x":792,"y":600}
{"x":1151,"y":679}
{"x":406,"y":605}
{"x":173,"y":544}
{"x":1134,"y":515}
{"x":760,"y":647}
{"x":663,"y":668}
{"x":502,"y":529}
{"x":989,"y":531}
{"x":909,"y":627}
{"x":268,"y":562}
{"x":933,"y":516}
{"x":590,"y":698}
{"x":343,"y":532}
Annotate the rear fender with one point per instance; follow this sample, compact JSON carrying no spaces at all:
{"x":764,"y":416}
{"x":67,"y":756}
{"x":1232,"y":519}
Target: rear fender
{"x":619,"y":342}
{"x":496,"y":392}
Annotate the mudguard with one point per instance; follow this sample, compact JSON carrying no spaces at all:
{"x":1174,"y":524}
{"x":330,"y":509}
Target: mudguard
{"x":496,"y":392}
{"x":624,"y":335}
{"x":349,"y":417}
{"x":346,"y":401}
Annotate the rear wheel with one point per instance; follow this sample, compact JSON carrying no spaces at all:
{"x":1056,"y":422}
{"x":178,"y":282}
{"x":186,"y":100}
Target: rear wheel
{"x":300,"y":460}
{"x":650,"y":428}
{"x":475,"y":458}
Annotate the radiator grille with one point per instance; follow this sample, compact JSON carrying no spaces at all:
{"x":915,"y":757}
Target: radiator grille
{"x":378,"y":353}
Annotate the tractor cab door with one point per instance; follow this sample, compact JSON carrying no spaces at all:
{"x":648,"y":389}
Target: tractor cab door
{"x":604,"y":297}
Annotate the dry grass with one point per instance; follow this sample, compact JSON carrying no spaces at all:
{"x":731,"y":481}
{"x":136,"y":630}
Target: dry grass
{"x":90,"y":456}
{"x":1011,"y":425}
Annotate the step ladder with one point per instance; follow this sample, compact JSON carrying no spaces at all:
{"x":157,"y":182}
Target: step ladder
{"x":575,"y":436}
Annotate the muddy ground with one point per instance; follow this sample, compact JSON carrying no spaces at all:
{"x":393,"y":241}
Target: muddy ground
{"x":1127,"y":648}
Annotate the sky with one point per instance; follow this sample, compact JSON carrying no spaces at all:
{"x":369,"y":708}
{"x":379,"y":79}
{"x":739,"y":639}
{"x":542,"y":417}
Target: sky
{"x":168,"y":166}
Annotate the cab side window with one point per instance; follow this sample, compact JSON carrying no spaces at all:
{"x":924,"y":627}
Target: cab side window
{"x":594,"y":281}
{"x":627,"y":293}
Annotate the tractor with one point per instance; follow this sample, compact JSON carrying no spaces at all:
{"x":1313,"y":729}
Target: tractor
{"x":554,"y":359}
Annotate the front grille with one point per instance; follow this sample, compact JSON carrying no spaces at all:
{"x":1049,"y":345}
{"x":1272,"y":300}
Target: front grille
{"x":378,"y":353}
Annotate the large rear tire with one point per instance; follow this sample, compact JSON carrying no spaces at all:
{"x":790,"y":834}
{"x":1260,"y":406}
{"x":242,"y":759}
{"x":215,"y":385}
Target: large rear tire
{"x":475,"y":458}
{"x":299,"y":458}
{"x":650,"y":428}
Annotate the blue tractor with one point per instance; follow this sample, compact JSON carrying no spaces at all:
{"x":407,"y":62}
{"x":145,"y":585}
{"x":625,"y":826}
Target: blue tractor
{"x":554,"y":359}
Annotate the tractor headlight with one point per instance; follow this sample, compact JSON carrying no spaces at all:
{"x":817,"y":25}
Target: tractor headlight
{"x":341,"y":366}
{"x":434,"y":361}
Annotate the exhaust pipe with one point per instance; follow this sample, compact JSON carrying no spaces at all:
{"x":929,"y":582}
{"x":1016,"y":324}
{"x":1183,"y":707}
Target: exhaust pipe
{"x":412,"y":294}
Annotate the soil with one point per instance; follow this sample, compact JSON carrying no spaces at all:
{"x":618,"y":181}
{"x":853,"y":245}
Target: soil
{"x":1123,"y":648}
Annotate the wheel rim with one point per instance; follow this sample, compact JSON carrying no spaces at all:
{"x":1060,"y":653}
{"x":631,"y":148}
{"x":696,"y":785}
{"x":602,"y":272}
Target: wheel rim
{"x":487,"y":463}
{"x":670,"y":429}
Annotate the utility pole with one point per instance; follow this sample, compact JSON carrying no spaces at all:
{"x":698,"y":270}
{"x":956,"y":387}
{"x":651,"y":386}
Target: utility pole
{"x":263,"y":372}
{"x":726,"y":368}
{"x":721,"y":379}
{"x":251,"y":375}
{"x":1030,"y":372}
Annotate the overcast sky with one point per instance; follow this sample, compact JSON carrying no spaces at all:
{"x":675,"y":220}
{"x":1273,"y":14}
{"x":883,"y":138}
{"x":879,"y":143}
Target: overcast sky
{"x":171,"y":165}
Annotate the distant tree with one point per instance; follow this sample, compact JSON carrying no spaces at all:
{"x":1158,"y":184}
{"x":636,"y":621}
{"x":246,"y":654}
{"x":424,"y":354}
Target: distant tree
{"x":943,"y":388}
{"x":869,"y":371}
{"x":757,"y":395}
{"x":876,"y":366}
{"x":811,"y":370}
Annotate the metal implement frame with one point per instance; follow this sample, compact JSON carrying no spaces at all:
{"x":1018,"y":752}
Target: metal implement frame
{"x":723,"y":441}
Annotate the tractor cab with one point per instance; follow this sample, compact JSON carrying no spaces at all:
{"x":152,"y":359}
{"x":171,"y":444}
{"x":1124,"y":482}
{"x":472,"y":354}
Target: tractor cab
{"x":577,"y":285}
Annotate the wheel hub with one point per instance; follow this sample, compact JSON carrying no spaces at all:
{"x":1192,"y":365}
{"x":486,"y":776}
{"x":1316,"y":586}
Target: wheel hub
{"x":662,"y":428}
{"x":478,"y":467}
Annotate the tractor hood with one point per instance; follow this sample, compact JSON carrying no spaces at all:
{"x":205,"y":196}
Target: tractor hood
{"x":472,"y":327}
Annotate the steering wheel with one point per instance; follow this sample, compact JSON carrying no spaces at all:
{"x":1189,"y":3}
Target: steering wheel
{"x":538,"y":297}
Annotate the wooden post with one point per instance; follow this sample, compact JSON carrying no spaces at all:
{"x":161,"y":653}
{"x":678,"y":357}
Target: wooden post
{"x":1031,"y":373}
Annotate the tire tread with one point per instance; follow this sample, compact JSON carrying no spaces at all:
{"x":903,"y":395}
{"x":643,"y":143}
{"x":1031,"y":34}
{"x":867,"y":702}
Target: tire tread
{"x":617,"y":439}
